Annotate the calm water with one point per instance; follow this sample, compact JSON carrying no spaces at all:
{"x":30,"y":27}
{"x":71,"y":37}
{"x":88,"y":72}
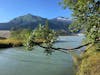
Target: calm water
{"x":17,"y":61}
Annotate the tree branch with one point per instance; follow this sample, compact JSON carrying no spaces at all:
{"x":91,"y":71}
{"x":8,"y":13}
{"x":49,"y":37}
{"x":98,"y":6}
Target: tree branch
{"x":64,"y":50}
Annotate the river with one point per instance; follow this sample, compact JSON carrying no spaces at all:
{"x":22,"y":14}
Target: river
{"x":18,"y":61}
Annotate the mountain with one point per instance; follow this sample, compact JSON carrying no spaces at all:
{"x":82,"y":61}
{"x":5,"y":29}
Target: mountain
{"x":60,"y":23}
{"x":31,"y":21}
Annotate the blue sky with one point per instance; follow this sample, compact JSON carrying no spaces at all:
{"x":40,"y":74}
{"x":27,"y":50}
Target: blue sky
{"x":10,"y":9}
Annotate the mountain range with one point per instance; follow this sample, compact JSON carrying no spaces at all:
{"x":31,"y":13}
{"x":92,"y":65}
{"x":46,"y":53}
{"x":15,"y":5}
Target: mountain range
{"x":31,"y":21}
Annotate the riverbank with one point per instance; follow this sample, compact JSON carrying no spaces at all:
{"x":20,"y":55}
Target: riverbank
{"x":7,"y":43}
{"x":90,"y":64}
{"x":10,"y":42}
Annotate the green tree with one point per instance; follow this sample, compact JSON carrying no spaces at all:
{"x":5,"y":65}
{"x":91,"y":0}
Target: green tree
{"x":42,"y":34}
{"x":86,"y":14}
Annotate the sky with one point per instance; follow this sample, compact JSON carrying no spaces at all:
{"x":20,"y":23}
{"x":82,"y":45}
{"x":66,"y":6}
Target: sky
{"x":10,"y":9}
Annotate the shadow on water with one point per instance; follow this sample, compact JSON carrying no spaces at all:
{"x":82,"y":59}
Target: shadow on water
{"x":61,"y":41}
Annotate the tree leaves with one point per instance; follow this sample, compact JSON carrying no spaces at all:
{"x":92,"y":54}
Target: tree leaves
{"x":87,"y":16}
{"x":43,"y":36}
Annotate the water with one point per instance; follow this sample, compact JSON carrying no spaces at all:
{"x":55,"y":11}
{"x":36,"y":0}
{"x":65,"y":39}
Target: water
{"x":17,"y":61}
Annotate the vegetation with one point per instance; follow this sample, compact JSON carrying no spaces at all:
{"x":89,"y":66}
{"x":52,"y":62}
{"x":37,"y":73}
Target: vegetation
{"x":20,"y":34}
{"x":17,"y":38}
{"x":86,"y":16}
{"x":90,"y":64}
{"x":6,"y":43}
{"x":42,"y":34}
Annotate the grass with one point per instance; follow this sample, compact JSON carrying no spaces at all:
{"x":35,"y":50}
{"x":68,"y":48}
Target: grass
{"x":11,"y":42}
{"x":90,"y":64}
{"x":6,"y":43}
